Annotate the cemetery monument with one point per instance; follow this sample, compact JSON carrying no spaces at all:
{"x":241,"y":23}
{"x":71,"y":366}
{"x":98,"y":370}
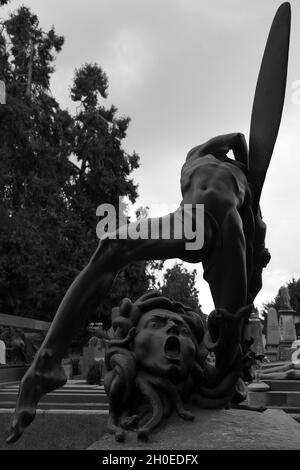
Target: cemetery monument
{"x":173,"y":367}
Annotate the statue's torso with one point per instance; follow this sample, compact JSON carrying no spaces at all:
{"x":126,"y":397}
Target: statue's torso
{"x":216,"y":183}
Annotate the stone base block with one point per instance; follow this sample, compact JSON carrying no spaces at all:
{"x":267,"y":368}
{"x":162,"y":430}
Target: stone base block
{"x":217,"y":430}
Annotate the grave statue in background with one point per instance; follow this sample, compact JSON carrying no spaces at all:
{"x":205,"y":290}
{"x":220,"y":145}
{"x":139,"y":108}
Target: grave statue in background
{"x":285,"y":299}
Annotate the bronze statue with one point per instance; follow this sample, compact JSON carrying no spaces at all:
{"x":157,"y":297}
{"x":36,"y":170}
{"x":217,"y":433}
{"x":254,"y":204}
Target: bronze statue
{"x":233,"y":256}
{"x":157,"y":359}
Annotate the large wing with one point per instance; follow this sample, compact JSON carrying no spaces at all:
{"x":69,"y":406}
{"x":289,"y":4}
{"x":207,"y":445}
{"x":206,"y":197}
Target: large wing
{"x":269,"y":100}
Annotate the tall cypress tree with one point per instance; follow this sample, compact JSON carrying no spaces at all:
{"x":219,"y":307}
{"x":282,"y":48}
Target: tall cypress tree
{"x":35,"y":144}
{"x":55,"y":171}
{"x":104,"y":174}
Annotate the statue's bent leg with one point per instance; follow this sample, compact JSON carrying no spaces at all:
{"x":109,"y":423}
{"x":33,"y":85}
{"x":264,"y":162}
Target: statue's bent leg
{"x":82,"y":298}
{"x":226,"y":270}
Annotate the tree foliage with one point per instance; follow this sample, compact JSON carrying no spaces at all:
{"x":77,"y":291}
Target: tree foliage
{"x":35,"y":144}
{"x":294,"y":290}
{"x":56,"y":169}
{"x":180,"y":284}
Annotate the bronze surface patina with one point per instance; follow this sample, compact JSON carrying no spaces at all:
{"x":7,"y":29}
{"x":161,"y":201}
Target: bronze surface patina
{"x":157,"y":359}
{"x":233,"y":257}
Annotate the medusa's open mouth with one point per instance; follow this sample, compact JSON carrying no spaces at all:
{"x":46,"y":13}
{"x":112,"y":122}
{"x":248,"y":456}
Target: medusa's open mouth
{"x":172,"y":349}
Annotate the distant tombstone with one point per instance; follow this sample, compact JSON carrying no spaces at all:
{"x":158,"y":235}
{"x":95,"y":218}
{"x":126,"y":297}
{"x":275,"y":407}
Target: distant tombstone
{"x":272,"y":339}
{"x":287,"y":328}
{"x":272,"y":328}
{"x":95,"y":351}
{"x":2,"y":352}
{"x":99,"y":350}
{"x":2,"y":92}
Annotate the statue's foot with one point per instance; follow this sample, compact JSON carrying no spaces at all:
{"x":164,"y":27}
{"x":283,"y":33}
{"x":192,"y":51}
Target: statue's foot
{"x":41,"y":378}
{"x":130,"y":421}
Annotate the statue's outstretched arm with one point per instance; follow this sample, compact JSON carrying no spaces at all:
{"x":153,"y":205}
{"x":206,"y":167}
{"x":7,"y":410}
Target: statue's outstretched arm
{"x":222,"y":144}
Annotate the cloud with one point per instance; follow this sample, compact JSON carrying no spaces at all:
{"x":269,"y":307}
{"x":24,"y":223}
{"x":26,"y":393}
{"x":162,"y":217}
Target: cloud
{"x":128,"y":60}
{"x":184,"y":71}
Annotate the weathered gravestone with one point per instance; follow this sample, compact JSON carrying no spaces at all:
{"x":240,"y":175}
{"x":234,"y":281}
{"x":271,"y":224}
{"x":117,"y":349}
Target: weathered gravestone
{"x":272,"y":335}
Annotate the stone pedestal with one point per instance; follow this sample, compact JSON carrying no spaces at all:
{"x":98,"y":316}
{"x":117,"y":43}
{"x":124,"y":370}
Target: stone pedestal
{"x":285,"y":352}
{"x":216,"y":430}
{"x":272,"y":353}
{"x":254,"y":330}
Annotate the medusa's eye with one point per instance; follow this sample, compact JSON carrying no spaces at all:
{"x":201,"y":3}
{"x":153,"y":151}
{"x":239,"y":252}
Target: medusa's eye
{"x":156,"y":323}
{"x":185,"y":331}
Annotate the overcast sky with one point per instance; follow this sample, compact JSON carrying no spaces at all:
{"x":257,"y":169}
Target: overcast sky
{"x":185,"y":71}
